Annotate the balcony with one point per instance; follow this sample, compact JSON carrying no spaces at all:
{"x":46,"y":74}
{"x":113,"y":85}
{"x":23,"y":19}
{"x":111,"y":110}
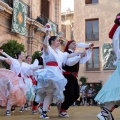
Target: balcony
{"x":10,"y":3}
{"x":43,"y":20}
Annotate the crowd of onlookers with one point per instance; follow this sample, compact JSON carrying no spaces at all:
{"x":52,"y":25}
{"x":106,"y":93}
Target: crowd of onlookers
{"x":87,"y":96}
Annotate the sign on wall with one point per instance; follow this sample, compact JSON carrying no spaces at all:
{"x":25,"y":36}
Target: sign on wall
{"x":108,"y":56}
{"x":19,"y":17}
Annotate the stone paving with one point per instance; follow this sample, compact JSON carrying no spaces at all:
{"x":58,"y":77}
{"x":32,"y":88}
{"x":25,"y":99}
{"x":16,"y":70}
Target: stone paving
{"x":75,"y":112}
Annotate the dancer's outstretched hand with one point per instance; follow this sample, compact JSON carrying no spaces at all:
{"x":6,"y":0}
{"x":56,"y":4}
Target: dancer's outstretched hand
{"x":83,"y":54}
{"x":1,"y":51}
{"x":8,"y":61}
{"x":91,"y":46}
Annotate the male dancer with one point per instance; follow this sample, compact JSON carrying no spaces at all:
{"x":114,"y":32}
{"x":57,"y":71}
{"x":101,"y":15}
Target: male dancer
{"x":72,"y":88}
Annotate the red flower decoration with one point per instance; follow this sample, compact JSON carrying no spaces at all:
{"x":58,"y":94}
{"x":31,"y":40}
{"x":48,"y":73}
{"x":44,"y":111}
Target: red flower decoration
{"x":47,"y":26}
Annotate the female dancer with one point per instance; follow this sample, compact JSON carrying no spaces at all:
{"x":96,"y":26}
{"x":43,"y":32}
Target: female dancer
{"x":23,"y":70}
{"x":30,"y":81}
{"x":51,"y":82}
{"x":11,"y":92}
{"x":109,"y":94}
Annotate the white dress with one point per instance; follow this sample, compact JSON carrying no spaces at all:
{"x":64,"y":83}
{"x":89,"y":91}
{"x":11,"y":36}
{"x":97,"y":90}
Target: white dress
{"x":110,"y":90}
{"x":10,"y":89}
{"x":51,"y":79}
{"x":23,"y":70}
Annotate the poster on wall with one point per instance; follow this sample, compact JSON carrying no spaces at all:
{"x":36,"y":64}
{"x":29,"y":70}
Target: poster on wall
{"x":19,"y":17}
{"x":108,"y":56}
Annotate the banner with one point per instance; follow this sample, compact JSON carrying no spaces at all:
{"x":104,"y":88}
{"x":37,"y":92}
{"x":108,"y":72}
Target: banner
{"x":54,"y":27}
{"x":19,"y":17}
{"x":108,"y":56}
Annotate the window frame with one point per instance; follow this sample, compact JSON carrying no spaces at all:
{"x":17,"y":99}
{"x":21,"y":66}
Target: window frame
{"x":94,"y":69}
{"x":45,"y":12}
{"x":93,"y":39}
{"x":90,"y":2}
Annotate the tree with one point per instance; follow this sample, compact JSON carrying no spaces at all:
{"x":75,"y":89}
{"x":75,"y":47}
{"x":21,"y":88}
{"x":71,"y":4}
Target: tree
{"x":36,"y":55}
{"x":83,"y":80}
{"x":11,"y":48}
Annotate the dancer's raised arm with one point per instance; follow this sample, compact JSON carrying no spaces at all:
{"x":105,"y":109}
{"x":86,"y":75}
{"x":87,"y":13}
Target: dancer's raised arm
{"x":2,"y":58}
{"x":5,"y":54}
{"x":74,"y":60}
{"x":7,"y":60}
{"x":45,"y":42}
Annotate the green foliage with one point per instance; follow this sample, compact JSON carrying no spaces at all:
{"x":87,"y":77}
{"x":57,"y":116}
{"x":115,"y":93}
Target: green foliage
{"x":83,"y":80}
{"x":11,"y":48}
{"x":97,"y":87}
{"x":36,"y":55}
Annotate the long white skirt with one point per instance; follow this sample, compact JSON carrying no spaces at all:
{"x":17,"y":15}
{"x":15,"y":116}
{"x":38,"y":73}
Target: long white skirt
{"x":30,"y":95}
{"x":50,"y":80}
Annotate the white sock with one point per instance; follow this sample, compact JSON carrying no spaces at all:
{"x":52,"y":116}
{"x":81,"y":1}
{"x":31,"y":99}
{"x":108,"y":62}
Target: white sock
{"x":47,"y":101}
{"x":109,"y":105}
{"x":8,"y":105}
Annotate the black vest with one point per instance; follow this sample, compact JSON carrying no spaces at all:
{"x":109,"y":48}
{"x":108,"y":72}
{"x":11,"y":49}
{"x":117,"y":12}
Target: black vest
{"x":74,"y":68}
{"x":40,"y":59}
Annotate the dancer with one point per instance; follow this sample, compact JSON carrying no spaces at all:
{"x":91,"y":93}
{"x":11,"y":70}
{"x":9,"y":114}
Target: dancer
{"x":35,"y":104}
{"x":11,"y":92}
{"x":40,"y":59}
{"x":23,"y":70}
{"x":109,"y":94}
{"x":71,"y":69}
{"x":51,"y":82}
{"x":30,"y":80}
{"x":28,"y":59}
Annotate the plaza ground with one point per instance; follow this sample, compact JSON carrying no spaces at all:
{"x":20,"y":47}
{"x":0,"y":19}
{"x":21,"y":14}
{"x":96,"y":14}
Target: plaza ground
{"x":75,"y":112}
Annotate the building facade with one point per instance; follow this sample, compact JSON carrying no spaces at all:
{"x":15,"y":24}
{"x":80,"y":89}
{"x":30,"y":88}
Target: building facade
{"x":67,"y":24}
{"x":39,"y":12}
{"x":93,"y":20}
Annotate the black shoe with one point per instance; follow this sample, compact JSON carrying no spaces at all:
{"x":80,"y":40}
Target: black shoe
{"x":34,"y":112}
{"x":13,"y":108}
{"x":26,"y":106}
{"x":8,"y":113}
{"x":22,"y":109}
{"x":44,"y":115}
{"x":110,"y":116}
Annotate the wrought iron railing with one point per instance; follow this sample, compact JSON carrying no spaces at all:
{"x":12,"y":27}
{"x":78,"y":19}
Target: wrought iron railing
{"x":92,"y":36}
{"x":43,"y":20}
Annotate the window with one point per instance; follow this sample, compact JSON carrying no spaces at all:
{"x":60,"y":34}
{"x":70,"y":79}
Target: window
{"x":63,"y":28}
{"x":45,"y":9}
{"x":93,"y":63}
{"x":63,"y":18}
{"x":92,"y":30}
{"x":91,"y":1}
